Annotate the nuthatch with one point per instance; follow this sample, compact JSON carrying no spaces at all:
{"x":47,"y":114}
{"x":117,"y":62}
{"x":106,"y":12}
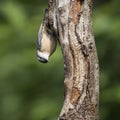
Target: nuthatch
{"x":46,"y":44}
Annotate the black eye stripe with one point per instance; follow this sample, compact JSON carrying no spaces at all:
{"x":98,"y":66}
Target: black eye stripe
{"x":43,"y":60}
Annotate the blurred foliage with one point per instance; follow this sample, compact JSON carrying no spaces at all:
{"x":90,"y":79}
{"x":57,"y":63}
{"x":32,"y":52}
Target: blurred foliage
{"x":30,"y":90}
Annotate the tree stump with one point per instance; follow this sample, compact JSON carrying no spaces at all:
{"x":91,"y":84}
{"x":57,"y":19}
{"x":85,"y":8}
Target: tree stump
{"x":70,"y":20}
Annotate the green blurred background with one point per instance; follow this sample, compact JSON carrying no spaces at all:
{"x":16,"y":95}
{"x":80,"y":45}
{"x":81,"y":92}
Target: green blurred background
{"x":30,"y":90}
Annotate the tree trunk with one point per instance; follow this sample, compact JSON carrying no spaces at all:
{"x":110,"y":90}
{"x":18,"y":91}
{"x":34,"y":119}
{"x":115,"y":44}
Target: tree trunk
{"x":71,"y":22}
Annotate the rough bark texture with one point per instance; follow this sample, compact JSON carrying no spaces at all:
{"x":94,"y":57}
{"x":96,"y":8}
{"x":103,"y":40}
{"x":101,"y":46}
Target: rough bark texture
{"x":71,"y":21}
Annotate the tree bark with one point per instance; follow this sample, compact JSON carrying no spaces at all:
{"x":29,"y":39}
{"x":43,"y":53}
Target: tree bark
{"x":72,"y":24}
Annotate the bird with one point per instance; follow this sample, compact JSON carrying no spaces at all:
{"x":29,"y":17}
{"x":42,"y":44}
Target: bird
{"x":46,"y":43}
